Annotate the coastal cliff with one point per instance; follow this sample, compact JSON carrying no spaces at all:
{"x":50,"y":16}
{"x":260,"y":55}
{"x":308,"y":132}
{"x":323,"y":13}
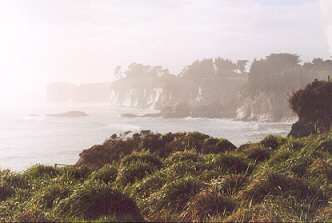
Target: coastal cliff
{"x":265,"y":107}
{"x":163,"y":92}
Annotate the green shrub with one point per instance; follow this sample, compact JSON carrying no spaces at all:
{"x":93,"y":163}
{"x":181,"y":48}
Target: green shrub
{"x":151,"y":142}
{"x":94,"y":200}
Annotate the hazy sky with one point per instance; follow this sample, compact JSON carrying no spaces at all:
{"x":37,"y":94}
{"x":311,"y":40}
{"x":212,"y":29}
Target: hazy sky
{"x":43,"y":41}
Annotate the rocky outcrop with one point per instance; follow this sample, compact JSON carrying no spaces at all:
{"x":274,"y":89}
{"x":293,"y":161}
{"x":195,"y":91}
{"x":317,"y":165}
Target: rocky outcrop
{"x":211,"y":110}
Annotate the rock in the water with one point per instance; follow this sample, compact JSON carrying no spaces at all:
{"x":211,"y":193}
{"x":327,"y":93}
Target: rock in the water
{"x":128,"y":115}
{"x":70,"y":114}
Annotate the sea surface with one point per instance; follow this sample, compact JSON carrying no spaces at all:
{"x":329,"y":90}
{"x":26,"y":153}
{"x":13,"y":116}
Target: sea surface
{"x":29,"y":136}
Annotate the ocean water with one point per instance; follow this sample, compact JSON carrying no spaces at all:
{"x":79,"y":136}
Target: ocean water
{"x":28,"y":136}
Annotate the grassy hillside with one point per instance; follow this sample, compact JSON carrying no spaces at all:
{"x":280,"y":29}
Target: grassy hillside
{"x":178,"y":177}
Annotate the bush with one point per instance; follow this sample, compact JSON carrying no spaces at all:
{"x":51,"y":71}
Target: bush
{"x":94,"y":199}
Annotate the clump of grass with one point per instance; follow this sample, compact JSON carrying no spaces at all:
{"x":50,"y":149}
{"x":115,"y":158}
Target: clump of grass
{"x":142,"y":156}
{"x":135,"y":171}
{"x":107,"y":174}
{"x":326,"y":145}
{"x":273,"y":209}
{"x":230,"y":184}
{"x":150,"y":184}
{"x":179,"y":156}
{"x":229,"y":163}
{"x":258,"y":153}
{"x":31,"y":215}
{"x":169,"y":201}
{"x":299,"y":165}
{"x":6,"y":191}
{"x":209,"y":202}
{"x":94,"y":199}
{"x":272,"y":183}
{"x":16,"y":180}
{"x":80,"y":173}
{"x":213,"y":145}
{"x":51,"y":194}
{"x":280,"y":156}
{"x":272,"y":141}
{"x":42,"y":171}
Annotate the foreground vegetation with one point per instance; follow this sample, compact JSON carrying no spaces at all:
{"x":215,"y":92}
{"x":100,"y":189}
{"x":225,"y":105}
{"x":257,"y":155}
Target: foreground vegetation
{"x":178,"y":177}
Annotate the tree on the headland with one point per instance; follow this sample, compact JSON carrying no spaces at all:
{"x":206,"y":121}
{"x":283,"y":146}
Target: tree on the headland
{"x":241,"y":65}
{"x":266,"y":74}
{"x":145,"y":71}
{"x":313,"y":104}
{"x":224,"y":67}
{"x":199,"y":69}
{"x":118,"y":74}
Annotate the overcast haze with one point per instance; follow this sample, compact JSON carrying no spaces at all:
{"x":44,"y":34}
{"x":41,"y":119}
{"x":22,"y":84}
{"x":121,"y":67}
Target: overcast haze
{"x":84,"y":41}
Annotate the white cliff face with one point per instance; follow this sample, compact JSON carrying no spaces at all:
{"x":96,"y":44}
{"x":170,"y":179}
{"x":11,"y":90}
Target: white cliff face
{"x":265,"y":107}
